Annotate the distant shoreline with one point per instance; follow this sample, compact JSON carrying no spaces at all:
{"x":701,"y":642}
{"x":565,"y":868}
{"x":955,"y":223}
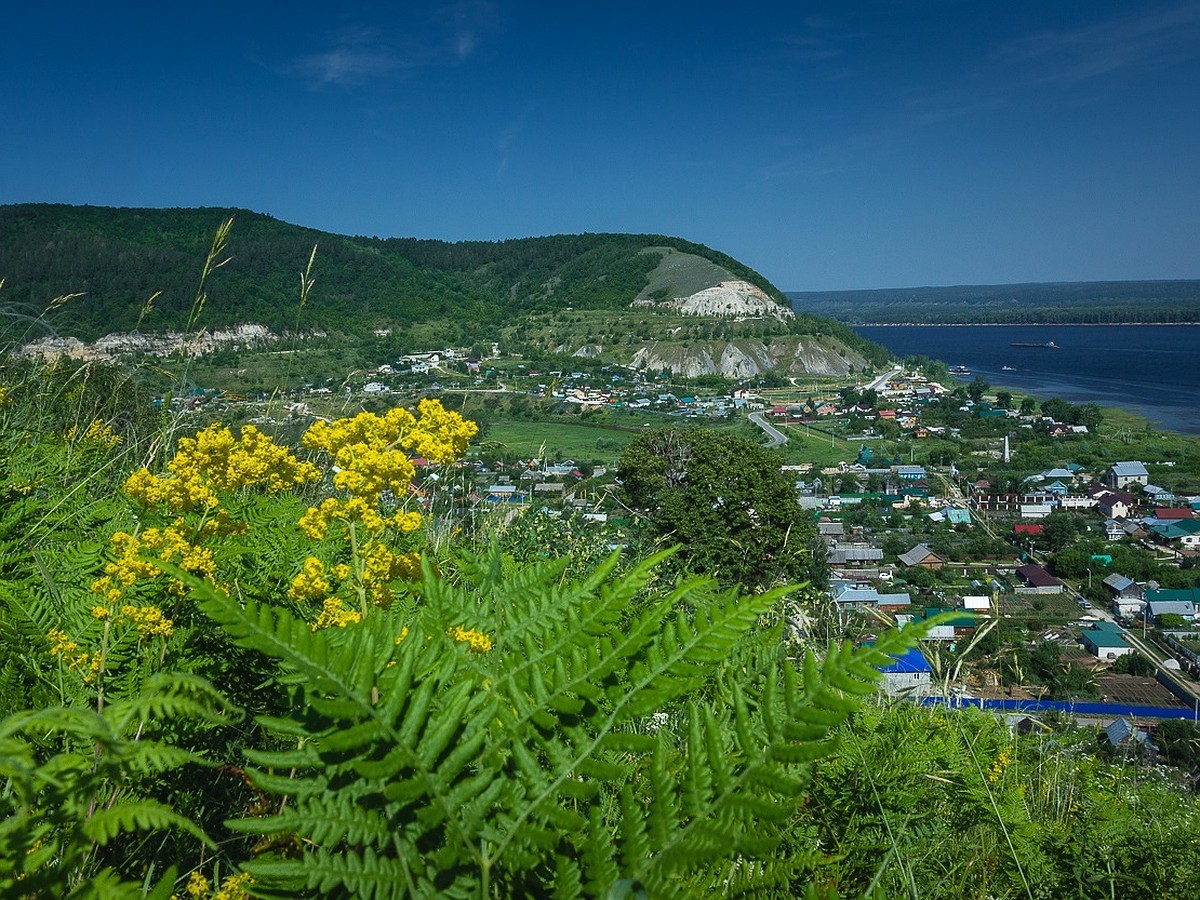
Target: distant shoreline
{"x":1018,"y":324}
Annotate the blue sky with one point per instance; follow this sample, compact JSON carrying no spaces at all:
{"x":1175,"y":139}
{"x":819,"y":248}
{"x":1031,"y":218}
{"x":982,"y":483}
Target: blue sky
{"x":828,"y":145}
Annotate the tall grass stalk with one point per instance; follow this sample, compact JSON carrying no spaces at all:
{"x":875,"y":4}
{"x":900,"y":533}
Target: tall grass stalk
{"x":172,"y":421}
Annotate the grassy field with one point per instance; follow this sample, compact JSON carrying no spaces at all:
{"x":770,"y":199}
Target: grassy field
{"x":558,"y":440}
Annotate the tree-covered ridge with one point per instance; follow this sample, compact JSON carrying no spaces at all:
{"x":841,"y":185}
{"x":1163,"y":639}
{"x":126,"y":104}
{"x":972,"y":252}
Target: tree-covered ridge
{"x":1088,"y":302}
{"x":116,"y":259}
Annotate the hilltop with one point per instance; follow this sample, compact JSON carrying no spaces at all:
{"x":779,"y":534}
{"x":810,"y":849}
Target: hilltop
{"x":115,"y":258}
{"x":662,"y":301}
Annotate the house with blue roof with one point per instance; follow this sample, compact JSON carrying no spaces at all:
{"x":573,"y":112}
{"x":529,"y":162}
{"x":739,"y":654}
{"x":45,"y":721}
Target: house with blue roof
{"x":908,"y":675}
{"x":1180,"y":602}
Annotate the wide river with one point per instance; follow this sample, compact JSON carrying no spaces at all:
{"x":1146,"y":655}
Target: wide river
{"x":1153,"y":369}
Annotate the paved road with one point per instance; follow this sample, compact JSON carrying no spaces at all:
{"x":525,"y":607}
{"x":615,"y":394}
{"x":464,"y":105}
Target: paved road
{"x":777,"y":437}
{"x":883,"y":379}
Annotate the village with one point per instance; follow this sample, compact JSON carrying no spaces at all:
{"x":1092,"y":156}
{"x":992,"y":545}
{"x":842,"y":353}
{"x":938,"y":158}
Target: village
{"x":1063,"y":573}
{"x":975,"y":536}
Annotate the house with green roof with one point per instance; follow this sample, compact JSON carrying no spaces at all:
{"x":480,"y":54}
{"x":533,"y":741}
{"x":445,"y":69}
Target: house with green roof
{"x":1178,"y":533}
{"x":1104,"y":640}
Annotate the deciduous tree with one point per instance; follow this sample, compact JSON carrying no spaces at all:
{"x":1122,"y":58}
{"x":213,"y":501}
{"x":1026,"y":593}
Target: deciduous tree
{"x":725,"y":500}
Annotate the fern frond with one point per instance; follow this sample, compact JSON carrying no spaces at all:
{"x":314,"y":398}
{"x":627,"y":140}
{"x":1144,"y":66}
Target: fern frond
{"x":139,"y":815}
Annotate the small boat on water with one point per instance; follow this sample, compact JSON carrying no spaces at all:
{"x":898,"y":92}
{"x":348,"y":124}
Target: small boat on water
{"x":1007,"y":369}
{"x":1044,"y":345}
{"x":960,"y":371}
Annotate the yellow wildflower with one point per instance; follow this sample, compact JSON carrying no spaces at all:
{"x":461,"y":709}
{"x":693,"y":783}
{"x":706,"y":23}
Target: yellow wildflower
{"x":233,"y":887}
{"x":68,"y":651}
{"x":441,"y":436}
{"x":98,"y":433}
{"x":334,"y":614}
{"x":383,"y":567}
{"x":149,"y":621}
{"x":476,"y":640}
{"x":999,"y":765}
{"x":311,"y":583}
{"x":214,"y":460}
{"x":60,"y":643}
{"x":197,"y":885}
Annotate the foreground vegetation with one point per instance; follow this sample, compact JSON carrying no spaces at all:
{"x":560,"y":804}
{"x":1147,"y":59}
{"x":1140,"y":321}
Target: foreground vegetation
{"x":229,"y":669}
{"x":267,"y":658}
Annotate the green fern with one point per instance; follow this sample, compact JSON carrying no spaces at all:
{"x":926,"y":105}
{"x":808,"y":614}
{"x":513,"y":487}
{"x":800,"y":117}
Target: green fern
{"x":76,"y":783}
{"x":606,"y":742}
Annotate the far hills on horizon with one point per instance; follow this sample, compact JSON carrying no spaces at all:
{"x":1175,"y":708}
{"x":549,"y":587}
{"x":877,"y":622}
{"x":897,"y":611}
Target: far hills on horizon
{"x":1050,"y":303}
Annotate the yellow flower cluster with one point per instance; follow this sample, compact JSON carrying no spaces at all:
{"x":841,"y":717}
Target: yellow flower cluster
{"x":366,"y":449}
{"x":214,"y":460}
{"x":5,"y":396}
{"x":373,"y":475}
{"x":149,"y":621}
{"x":232,"y":888}
{"x":98,"y":434}
{"x":67,"y":650}
{"x":382,"y":567}
{"x":311,"y":583}
{"x":197,"y":885}
{"x":316,"y":519}
{"x":137,"y":557}
{"x":476,"y":640}
{"x":999,"y":765}
{"x":441,"y":436}
{"x":334,"y":614}
{"x":222,"y":523}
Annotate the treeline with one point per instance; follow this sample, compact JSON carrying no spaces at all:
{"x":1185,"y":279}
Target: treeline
{"x":114,"y":260}
{"x":1100,"y":302}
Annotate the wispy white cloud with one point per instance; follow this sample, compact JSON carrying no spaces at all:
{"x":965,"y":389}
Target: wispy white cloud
{"x":446,"y":35}
{"x":818,"y":40}
{"x":1101,"y":48}
{"x":1078,"y":61}
{"x":352,"y":56}
{"x":509,"y":136}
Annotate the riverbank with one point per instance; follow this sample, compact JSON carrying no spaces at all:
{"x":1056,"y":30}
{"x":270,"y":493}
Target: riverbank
{"x":1151,"y":370}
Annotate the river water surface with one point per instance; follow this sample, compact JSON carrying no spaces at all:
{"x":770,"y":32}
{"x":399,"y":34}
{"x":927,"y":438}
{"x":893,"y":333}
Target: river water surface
{"x":1152,"y":369}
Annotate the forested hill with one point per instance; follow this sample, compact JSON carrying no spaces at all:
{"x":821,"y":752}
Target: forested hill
{"x":1083,"y":302}
{"x":116,"y":258}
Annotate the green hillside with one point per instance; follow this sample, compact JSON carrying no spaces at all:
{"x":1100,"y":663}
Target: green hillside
{"x":117,"y":258}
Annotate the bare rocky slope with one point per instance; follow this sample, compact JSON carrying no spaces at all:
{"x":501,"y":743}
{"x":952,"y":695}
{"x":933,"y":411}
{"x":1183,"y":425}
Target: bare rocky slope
{"x":748,"y":358}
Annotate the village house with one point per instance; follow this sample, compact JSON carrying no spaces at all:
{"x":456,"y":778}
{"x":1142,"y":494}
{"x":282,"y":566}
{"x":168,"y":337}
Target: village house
{"x":1123,"y":474}
{"x":1104,"y":641}
{"x":1128,"y":597}
{"x":1182,"y":534}
{"x":1180,"y":602}
{"x":1037,"y":580}
{"x":922,"y":557}
{"x":909,"y":675}
{"x":1124,"y":735}
{"x":962,"y":623}
{"x":1114,"y":504}
{"x":1156,"y":494}
{"x":849,"y":596}
{"x":853,"y":555}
